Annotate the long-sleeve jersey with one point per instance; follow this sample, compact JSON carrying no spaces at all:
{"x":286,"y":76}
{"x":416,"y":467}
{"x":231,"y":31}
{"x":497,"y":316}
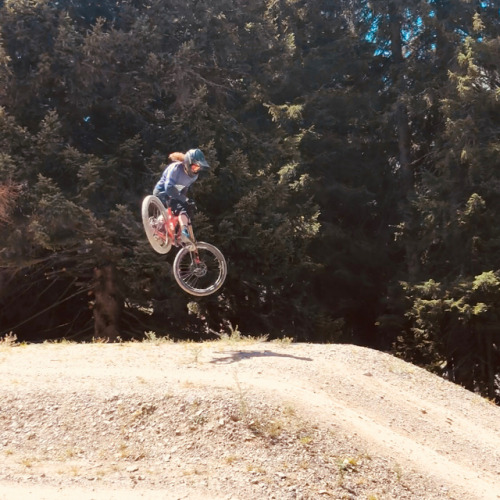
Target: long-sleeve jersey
{"x":174,"y":182}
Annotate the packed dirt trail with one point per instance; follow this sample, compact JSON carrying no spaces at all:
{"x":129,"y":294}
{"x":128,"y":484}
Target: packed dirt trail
{"x":238,"y":420}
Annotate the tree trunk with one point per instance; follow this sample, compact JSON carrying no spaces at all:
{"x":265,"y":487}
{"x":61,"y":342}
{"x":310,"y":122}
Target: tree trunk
{"x":108,"y":304}
{"x":395,"y":33}
{"x":490,"y":376}
{"x":404,"y":144}
{"x":402,"y":121}
{"x":404,"y":141}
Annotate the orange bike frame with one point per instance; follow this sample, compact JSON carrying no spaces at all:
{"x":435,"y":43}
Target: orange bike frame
{"x":172,"y":226}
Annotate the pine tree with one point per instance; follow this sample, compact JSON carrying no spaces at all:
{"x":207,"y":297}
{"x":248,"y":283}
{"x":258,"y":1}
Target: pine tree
{"x":105,"y":99}
{"x":456,"y":195}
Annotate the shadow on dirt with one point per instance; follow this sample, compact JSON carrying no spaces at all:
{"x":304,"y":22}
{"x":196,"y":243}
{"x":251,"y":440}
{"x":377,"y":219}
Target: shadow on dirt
{"x":235,"y":356}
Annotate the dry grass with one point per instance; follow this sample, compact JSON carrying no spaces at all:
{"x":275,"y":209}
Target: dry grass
{"x":8,"y":341}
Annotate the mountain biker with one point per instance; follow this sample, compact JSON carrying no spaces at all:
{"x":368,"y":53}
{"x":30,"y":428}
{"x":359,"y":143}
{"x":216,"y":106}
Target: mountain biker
{"x":175,"y":181}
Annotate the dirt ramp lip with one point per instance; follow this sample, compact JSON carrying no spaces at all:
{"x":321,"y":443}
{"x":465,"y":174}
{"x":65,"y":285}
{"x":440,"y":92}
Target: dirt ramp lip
{"x":257,"y":418}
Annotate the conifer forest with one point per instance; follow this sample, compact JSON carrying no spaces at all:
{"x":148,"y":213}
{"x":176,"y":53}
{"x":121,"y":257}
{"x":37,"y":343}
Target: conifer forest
{"x":354,"y":186}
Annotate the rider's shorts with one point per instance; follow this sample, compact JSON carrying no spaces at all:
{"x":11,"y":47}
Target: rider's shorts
{"x":178,"y":207}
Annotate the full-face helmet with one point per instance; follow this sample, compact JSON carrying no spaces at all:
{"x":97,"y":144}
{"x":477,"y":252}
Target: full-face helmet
{"x":195,"y":162}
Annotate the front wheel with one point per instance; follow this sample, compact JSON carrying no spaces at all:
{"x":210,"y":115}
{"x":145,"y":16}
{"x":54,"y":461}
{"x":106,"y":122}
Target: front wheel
{"x":200,"y":269}
{"x":154,"y":217}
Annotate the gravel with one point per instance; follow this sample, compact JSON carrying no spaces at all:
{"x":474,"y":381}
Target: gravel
{"x":246,"y":420}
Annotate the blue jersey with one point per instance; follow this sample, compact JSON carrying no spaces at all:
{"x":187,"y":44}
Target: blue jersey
{"x":174,"y":182}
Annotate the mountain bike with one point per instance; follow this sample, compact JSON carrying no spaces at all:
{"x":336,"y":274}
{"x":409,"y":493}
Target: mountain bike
{"x":199,"y":268}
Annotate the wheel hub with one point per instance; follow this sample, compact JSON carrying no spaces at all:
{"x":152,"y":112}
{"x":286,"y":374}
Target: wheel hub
{"x":199,"y":270}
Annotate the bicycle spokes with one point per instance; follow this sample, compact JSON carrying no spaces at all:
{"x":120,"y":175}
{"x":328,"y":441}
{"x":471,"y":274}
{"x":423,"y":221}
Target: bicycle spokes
{"x":200,"y":270}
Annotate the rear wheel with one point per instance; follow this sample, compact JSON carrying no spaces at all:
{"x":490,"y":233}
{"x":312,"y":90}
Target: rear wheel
{"x":154,"y":217}
{"x":200,"y":269}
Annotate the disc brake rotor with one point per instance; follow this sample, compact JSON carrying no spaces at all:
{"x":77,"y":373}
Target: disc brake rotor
{"x":199,"y":269}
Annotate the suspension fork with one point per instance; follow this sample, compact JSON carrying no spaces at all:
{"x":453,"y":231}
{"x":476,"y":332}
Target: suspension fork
{"x":195,"y":255}
{"x":191,"y":232}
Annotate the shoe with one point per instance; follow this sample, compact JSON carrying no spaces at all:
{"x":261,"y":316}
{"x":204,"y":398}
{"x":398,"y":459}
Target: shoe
{"x":185,"y":235}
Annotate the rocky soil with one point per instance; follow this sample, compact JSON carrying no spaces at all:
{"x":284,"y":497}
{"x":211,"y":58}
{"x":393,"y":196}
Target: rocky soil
{"x":237,"y":420}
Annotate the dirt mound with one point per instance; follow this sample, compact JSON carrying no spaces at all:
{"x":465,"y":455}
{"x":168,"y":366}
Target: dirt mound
{"x":238,"y":420}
